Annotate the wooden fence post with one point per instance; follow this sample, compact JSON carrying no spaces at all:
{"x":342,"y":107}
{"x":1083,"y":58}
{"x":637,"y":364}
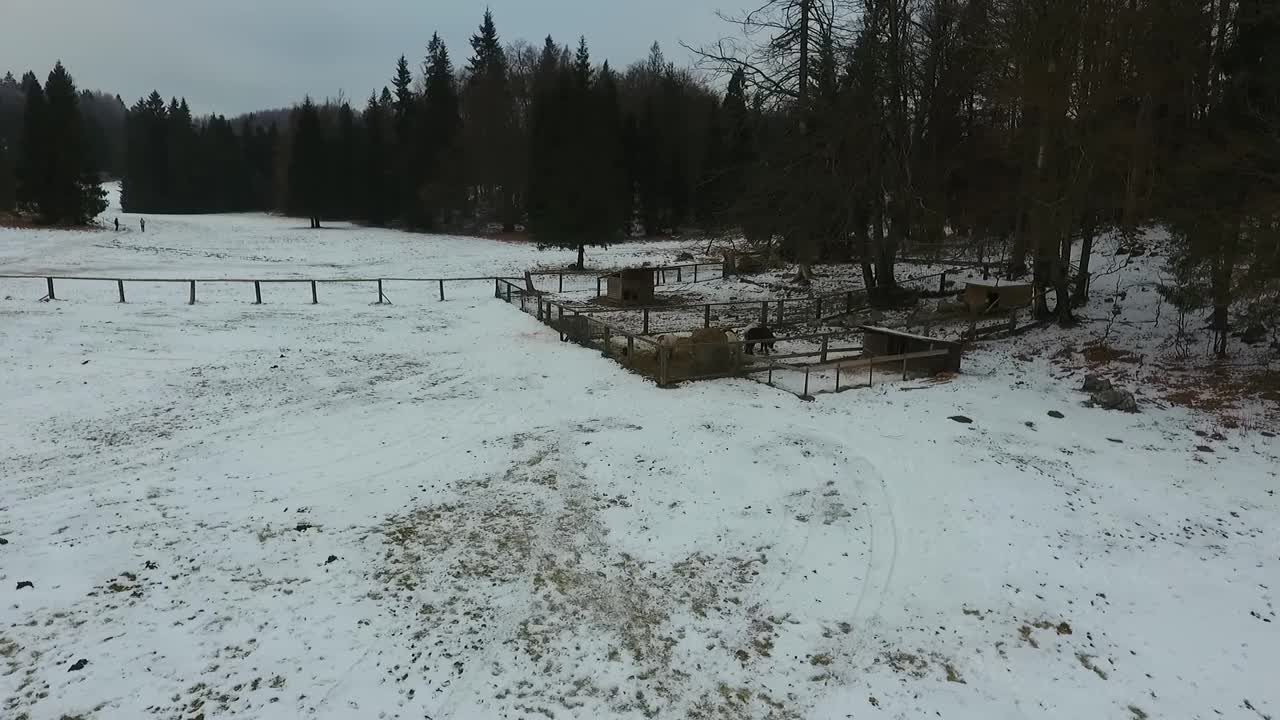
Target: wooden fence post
{"x":315,"y":299}
{"x":191,"y":299}
{"x":781,"y":314}
{"x":817,"y":308}
{"x":806,"y":382}
{"x":508,"y":292}
{"x":631,"y":348}
{"x":904,"y":368}
{"x":679,"y":274}
{"x":695,"y":272}
{"x":598,"y":281}
{"x":497,"y":289}
{"x":257,"y":293}
{"x":562,"y":282}
{"x":706,"y":314}
{"x":442,"y":290}
{"x":837,"y":378}
{"x":942,"y":283}
{"x":770,"y":380}
{"x":871,"y":372}
{"x":49,"y":282}
{"x":848,"y":301}
{"x":824,"y":349}
{"x":664,"y":354}
{"x":120,"y":288}
{"x":646,"y":322}
{"x":381,"y":298}
{"x":764,"y":312}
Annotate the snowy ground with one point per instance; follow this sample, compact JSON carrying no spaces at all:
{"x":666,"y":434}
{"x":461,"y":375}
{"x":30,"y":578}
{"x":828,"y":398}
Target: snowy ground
{"x":438,"y":510}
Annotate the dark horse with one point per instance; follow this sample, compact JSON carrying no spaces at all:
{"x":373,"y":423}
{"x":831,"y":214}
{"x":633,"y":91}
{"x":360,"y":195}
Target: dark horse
{"x":762,"y":335}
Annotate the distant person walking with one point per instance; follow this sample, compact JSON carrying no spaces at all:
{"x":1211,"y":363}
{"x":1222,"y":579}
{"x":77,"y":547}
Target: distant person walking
{"x":117,"y":224}
{"x":142,"y":223}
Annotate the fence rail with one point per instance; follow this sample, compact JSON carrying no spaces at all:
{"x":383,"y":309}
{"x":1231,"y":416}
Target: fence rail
{"x":192,"y":283}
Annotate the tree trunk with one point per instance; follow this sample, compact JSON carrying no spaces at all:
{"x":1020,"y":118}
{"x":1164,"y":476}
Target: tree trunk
{"x":1062,"y":280}
{"x":863,"y":244}
{"x":581,"y":252}
{"x":876,"y":253}
{"x":508,"y":210}
{"x":1223,"y":264}
{"x":1018,"y":253}
{"x":804,"y":274}
{"x":889,"y":248}
{"x":1087,"y":229}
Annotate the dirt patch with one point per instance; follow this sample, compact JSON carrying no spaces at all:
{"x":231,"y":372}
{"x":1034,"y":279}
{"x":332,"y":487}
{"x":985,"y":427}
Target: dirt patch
{"x":1220,"y":391}
{"x":1105,"y":354}
{"x":517,"y":571}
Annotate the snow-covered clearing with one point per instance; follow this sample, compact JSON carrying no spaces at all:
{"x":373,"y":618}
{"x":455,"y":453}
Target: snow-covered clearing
{"x":439,"y":510}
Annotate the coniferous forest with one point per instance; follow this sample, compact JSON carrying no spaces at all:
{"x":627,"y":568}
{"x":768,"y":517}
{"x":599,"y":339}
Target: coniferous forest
{"x":829,"y":130}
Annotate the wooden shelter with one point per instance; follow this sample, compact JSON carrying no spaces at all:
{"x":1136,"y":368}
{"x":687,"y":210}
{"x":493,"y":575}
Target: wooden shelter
{"x":989,"y":296}
{"x":920,"y":352}
{"x":633,"y":286}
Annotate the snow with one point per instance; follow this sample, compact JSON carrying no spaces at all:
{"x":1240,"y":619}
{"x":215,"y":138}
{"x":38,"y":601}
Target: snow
{"x":521,"y":528}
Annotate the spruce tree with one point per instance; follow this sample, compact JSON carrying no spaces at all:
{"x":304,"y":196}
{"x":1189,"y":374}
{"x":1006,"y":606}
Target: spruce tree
{"x":489,"y":127}
{"x":443,"y":192}
{"x":374,"y":163}
{"x":345,"y":153}
{"x":180,"y":134}
{"x":408,"y":144}
{"x":31,"y":167}
{"x":307,"y":164}
{"x":70,"y":193}
{"x":575,"y":153}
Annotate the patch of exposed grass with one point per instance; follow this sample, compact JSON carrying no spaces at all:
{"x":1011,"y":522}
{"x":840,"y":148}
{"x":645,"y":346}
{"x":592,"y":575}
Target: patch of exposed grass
{"x":1087,"y":662}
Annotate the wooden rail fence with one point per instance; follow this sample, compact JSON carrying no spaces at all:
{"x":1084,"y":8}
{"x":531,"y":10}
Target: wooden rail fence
{"x":257,"y":283}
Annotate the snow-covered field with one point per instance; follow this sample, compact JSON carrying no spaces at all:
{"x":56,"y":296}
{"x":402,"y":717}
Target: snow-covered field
{"x":439,"y":510}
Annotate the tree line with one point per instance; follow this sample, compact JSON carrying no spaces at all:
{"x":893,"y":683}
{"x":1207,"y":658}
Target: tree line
{"x":542,"y":138}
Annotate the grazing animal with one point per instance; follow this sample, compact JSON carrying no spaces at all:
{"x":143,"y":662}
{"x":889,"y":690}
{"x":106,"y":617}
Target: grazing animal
{"x":762,"y":335}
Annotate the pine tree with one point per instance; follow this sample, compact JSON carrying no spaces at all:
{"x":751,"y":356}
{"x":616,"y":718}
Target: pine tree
{"x":307,"y":164}
{"x":489,"y":123}
{"x":443,"y":193}
{"x":612,"y":182}
{"x":408,"y":143}
{"x":345,"y":155}
{"x":148,"y":184}
{"x":32,"y":178}
{"x":180,"y":134}
{"x":575,"y":152}
{"x":70,"y":193}
{"x":374,"y":192}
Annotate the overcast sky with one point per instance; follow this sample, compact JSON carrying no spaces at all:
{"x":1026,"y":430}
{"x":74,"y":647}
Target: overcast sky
{"x":233,"y":56}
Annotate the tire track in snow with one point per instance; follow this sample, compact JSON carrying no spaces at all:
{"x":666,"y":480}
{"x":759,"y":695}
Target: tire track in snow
{"x":883,"y":538}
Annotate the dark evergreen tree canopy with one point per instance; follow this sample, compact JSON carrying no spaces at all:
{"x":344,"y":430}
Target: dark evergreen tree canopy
{"x":307,"y":161}
{"x":56,"y":180}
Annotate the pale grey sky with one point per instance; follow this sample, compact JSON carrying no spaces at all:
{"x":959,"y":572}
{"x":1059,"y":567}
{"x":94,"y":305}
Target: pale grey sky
{"x":232,"y":56}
